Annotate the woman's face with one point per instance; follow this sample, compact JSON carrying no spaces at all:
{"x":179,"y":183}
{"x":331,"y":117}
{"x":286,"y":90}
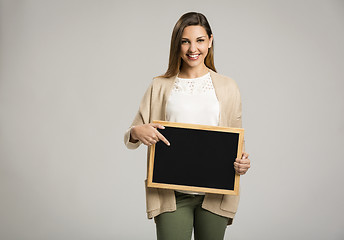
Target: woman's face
{"x":194,"y":45}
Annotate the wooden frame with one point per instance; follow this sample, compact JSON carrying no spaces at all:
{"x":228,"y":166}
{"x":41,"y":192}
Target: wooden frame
{"x":209,"y":144}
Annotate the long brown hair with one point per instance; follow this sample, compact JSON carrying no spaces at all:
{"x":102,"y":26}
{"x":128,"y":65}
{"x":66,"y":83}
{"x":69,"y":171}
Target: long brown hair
{"x":175,"y":61}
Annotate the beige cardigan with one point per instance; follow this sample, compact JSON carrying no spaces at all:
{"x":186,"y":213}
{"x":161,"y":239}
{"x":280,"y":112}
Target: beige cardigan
{"x":153,"y":106}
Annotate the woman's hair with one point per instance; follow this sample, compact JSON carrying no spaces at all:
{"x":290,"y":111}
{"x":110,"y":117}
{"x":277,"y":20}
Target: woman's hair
{"x":175,"y":61}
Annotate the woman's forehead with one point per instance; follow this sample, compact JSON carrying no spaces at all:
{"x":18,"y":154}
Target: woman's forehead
{"x":194,"y":31}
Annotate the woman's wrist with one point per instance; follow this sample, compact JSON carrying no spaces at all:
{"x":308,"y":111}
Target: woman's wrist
{"x":132,"y":139}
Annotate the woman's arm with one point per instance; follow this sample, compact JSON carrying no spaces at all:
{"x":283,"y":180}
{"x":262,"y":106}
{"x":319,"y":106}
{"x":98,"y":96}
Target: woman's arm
{"x":141,"y":130}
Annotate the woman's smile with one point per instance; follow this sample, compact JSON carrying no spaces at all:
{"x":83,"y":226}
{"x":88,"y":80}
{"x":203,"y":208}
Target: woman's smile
{"x":193,"y":56}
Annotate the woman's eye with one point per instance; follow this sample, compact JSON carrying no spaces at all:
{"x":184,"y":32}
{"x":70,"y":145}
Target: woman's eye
{"x":186,"y":41}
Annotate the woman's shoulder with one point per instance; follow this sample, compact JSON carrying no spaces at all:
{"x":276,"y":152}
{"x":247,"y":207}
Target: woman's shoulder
{"x":223,"y":80}
{"x":160,"y":81}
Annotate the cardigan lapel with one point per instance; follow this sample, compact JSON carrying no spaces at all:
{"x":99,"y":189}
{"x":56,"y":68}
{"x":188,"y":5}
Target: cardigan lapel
{"x":169,"y":85}
{"x":219,"y":94}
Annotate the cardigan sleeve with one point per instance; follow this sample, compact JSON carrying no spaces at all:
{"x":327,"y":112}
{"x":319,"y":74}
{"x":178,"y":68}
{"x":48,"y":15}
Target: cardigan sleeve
{"x":237,"y":114}
{"x":142,"y":117}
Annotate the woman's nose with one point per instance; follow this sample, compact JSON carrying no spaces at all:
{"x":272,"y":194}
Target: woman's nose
{"x":192,"y":47}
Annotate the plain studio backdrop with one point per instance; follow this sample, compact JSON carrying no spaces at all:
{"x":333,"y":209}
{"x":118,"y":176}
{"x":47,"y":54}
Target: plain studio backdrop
{"x":72,"y":74}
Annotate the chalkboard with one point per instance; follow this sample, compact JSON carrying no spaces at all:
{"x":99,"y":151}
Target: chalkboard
{"x":199,"y":159}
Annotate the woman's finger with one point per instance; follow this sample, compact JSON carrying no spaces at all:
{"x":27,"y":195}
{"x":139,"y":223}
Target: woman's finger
{"x":145,"y":142}
{"x":244,"y":165}
{"x":155,"y":137}
{"x":162,"y":138}
{"x":241,"y":167}
{"x":242,"y":160}
{"x":157,"y":125}
{"x":241,"y":170}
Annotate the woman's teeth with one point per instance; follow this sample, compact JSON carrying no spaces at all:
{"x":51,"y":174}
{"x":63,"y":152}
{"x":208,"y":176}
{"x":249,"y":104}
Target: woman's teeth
{"x":195,"y":56}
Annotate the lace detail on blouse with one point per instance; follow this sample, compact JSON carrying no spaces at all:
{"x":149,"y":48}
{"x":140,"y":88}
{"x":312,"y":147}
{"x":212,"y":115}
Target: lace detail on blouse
{"x":200,"y":85}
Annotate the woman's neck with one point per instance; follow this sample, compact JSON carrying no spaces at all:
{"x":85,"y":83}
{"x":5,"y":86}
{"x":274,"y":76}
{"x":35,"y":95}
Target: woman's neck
{"x":193,"y":72}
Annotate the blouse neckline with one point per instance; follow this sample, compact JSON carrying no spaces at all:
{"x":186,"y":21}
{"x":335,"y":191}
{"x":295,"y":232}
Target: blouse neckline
{"x":191,"y":79}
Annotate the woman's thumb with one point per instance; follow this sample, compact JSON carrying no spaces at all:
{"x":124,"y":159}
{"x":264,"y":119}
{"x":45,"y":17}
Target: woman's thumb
{"x":157,"y":125}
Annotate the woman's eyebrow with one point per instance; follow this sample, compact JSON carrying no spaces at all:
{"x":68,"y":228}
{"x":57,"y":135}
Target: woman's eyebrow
{"x":196,"y":38}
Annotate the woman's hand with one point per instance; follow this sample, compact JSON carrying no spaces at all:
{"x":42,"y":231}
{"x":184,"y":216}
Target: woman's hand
{"x":147,"y":134}
{"x":242,"y":165}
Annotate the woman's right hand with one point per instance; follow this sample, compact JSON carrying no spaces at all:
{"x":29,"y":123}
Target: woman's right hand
{"x":147,"y":134}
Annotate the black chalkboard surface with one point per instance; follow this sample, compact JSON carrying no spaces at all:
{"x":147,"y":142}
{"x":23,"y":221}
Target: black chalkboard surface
{"x":199,"y":159}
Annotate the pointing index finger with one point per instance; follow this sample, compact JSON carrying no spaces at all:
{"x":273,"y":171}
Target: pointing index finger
{"x":162,"y":138}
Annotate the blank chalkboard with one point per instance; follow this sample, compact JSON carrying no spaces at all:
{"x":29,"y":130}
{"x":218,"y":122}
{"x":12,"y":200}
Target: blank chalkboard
{"x":199,"y":159}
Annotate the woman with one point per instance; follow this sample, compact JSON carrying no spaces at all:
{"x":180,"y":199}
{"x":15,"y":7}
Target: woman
{"x":191,"y":91}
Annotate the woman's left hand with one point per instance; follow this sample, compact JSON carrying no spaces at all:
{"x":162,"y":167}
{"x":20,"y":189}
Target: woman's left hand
{"x":242,"y":165}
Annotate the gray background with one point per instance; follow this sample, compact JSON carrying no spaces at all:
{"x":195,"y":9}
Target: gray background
{"x":72,"y":74}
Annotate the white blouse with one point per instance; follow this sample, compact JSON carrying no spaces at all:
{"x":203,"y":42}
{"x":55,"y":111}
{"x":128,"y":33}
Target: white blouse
{"x":193,"y":101}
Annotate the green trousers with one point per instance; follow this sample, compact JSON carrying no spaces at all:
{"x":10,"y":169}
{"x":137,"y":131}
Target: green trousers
{"x":178,"y":225}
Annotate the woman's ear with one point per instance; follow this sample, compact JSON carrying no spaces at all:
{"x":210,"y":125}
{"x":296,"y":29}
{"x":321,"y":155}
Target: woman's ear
{"x":210,"y":41}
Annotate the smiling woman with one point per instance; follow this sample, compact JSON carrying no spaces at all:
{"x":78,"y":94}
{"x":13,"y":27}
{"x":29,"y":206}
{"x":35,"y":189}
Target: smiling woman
{"x":191,"y":91}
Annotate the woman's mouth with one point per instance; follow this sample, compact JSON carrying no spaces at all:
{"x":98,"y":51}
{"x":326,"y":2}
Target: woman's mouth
{"x":193,"y":56}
